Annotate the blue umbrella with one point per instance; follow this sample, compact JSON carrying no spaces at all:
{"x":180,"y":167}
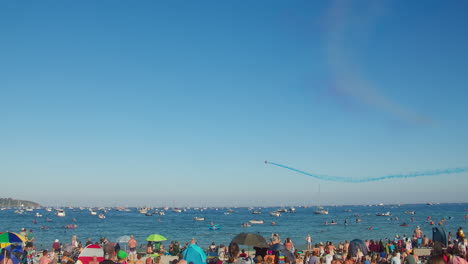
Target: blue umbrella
{"x":194,"y":254}
{"x":15,"y":253}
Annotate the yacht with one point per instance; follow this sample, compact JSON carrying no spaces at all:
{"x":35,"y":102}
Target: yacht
{"x":60,"y":213}
{"x":275,"y":213}
{"x":321,"y":211}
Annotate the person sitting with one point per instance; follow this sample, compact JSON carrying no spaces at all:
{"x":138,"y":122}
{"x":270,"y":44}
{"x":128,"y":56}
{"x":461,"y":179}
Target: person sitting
{"x":243,"y":254}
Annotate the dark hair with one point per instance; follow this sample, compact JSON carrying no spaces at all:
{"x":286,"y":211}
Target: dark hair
{"x":437,"y":259}
{"x":233,"y":252}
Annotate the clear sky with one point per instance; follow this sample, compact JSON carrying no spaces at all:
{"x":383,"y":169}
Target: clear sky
{"x":179,"y":102}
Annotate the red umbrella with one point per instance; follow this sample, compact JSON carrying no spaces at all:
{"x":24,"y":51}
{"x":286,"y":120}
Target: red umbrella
{"x":89,"y":252}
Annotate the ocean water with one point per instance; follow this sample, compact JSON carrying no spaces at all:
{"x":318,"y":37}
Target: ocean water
{"x":182,"y":227}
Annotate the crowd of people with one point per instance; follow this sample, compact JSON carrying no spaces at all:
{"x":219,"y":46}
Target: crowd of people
{"x":399,"y":250}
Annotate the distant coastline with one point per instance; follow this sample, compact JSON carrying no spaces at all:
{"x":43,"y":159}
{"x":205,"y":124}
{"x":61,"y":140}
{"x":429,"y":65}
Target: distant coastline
{"x":10,"y":202}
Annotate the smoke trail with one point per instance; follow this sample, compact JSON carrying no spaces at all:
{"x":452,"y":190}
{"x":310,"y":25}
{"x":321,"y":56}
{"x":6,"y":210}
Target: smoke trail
{"x":381,"y":178}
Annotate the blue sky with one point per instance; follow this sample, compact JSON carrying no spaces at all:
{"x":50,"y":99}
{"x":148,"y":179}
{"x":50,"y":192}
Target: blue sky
{"x":180,"y":102}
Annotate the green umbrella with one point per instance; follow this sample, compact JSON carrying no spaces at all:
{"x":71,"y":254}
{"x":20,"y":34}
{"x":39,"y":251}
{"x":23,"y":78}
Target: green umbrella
{"x":156,"y":238}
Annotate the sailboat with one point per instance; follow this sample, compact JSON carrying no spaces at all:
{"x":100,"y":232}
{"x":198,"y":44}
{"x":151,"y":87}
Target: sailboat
{"x":320,"y":210}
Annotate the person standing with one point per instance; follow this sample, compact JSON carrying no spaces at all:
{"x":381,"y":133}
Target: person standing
{"x":132,"y":245}
{"x":309,"y":242}
{"x":30,"y":237}
{"x":56,"y":246}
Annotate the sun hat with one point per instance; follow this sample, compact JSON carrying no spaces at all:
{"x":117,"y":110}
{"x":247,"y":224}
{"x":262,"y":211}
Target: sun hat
{"x":56,"y":240}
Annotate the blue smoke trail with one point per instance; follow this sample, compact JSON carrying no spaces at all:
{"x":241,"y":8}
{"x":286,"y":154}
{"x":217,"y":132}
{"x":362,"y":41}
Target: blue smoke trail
{"x":387,"y":177}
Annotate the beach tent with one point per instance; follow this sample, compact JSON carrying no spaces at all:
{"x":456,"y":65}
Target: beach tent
{"x":194,"y":254}
{"x":355,"y":245}
{"x":438,"y":235}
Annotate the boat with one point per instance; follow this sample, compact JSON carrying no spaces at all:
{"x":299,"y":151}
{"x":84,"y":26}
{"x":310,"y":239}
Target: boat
{"x":321,"y":211}
{"x":348,"y":210}
{"x":256,"y":212}
{"x":149,"y":214}
{"x":273,"y":223}
{"x":275,"y":213}
{"x":404,"y":224}
{"x":93,"y":212}
{"x":48,"y":209}
{"x":60,"y":213}
{"x":384,"y":214}
{"x":246,"y":225}
{"x":256,"y":222}
{"x":410,"y":212}
{"x":102,"y":216}
{"x":282,"y":210}
{"x":292,"y":210}
{"x":143,"y":210}
{"x":199,"y":218}
{"x":38,"y":215}
{"x":177,"y":210}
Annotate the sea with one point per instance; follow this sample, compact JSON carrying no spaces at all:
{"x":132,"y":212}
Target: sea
{"x":182,"y":227}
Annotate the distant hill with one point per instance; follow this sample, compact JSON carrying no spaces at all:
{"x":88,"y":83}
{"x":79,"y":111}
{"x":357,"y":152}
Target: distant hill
{"x":9,"y":202}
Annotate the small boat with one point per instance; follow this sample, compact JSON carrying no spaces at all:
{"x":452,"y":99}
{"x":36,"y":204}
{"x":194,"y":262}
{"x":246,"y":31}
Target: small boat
{"x":256,"y":222}
{"x":199,"y":218}
{"x":149,"y":214}
{"x":48,"y":209}
{"x":275,"y":213}
{"x":70,"y":226}
{"x":256,"y":212}
{"x":60,"y":213}
{"x":102,"y":216}
{"x":93,"y":212}
{"x":143,"y":210}
{"x":246,"y":225}
{"x":177,"y":210}
{"x":48,"y":220}
{"x":282,"y":210}
{"x":410,"y":212}
{"x":348,"y":210}
{"x":292,"y":210}
{"x":38,"y":215}
{"x":384,"y":214}
{"x":273,"y":223}
{"x":321,"y":211}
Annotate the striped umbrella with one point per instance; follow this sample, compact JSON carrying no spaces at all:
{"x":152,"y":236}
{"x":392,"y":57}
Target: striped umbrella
{"x":89,"y":252}
{"x":10,"y":237}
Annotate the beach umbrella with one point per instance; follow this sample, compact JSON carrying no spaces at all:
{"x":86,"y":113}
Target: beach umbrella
{"x":155,"y":238}
{"x":15,"y":253}
{"x":123,"y":239}
{"x":91,"y":251}
{"x":355,"y":245}
{"x":250,"y":239}
{"x":194,"y":254}
{"x":11,"y":237}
